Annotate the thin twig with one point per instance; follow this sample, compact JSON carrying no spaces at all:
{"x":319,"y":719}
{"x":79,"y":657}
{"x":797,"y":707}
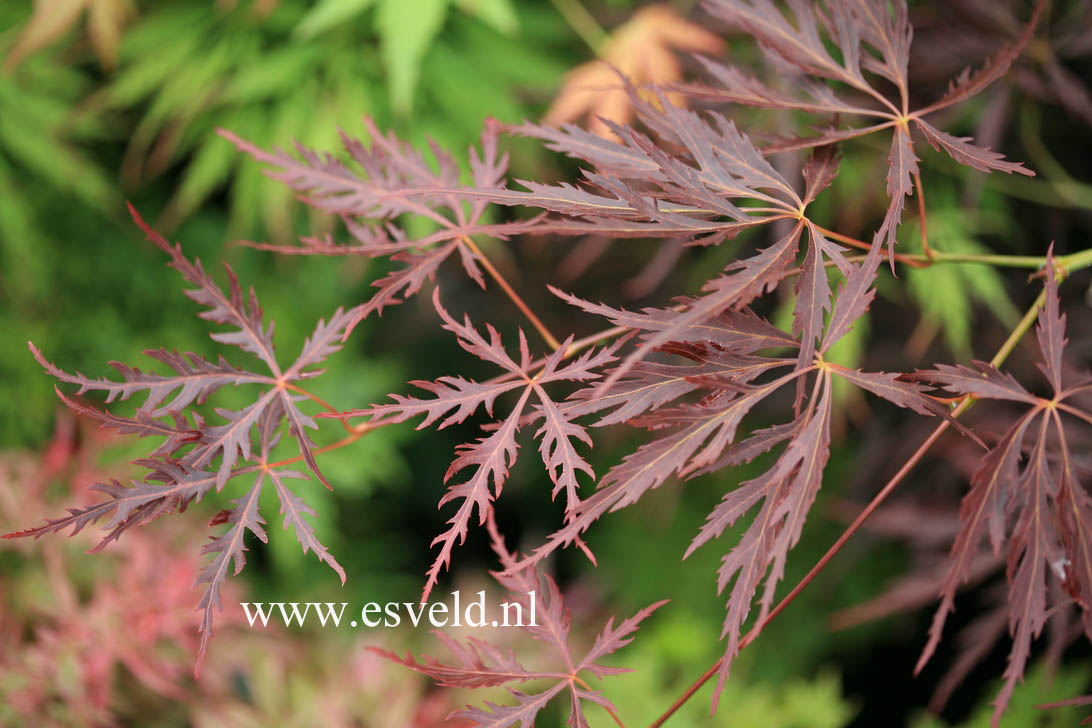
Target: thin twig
{"x":910,"y":260}
{"x":1072,"y":262}
{"x":922,"y":218}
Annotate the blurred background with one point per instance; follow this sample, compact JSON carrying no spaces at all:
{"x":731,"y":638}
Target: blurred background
{"x":103,"y":101}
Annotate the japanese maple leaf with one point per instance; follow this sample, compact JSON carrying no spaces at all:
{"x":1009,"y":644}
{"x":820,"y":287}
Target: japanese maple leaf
{"x":490,"y":457}
{"x":717,"y":185}
{"x":701,"y":435}
{"x":928,"y":531}
{"x":196,"y":378}
{"x":182,"y":469}
{"x":479,"y":664}
{"x":873,"y":41}
{"x":229,"y":548}
{"x":396,"y":181}
{"x":1025,"y":496}
{"x":982,"y":28}
{"x":697,"y":178}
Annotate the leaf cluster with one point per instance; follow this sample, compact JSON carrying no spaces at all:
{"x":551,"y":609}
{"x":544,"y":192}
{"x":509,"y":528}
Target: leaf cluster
{"x":181,"y":469}
{"x":690,"y":375}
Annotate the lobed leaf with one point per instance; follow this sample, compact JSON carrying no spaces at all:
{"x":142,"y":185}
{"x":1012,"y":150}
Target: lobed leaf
{"x":479,"y":664}
{"x":1033,"y":509}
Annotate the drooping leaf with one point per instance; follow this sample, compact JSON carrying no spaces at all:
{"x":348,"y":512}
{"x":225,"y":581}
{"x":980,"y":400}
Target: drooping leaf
{"x":1027,"y":499}
{"x":872,"y":37}
{"x":184,"y":467}
{"x":479,"y":664}
{"x":490,"y":457}
{"x":396,"y":181}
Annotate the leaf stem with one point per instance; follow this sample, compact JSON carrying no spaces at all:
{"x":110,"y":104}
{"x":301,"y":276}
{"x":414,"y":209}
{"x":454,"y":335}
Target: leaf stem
{"x":589,"y":341}
{"x":1006,"y":348}
{"x":614,"y":715}
{"x":910,"y":260}
{"x":355,"y":433}
{"x":550,"y":339}
{"x":922,"y":218}
{"x":1075,"y":412}
{"x":1004,"y":261}
{"x":313,"y":397}
{"x":325,"y":405}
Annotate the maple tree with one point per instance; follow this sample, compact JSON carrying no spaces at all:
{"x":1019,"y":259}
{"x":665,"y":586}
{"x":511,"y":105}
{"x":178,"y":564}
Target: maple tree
{"x":688,"y":373}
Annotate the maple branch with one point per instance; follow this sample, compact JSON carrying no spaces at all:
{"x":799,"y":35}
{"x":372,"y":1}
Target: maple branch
{"x":1018,"y":333}
{"x":922,"y":217}
{"x":1003,"y":352}
{"x":689,"y":692}
{"x":1003,"y":261}
{"x":1074,"y":261}
{"x":1068,"y":263}
{"x":550,"y":339}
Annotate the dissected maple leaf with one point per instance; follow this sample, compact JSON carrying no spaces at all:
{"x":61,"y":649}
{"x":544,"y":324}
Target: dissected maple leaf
{"x":1045,"y":72}
{"x":397,"y":181}
{"x":684,"y":177}
{"x":873,"y":38}
{"x":644,"y":51}
{"x":644,"y":192}
{"x":1026,"y":498}
{"x":638,"y":190}
{"x":197,"y":378}
{"x":181,"y":469}
{"x":695,"y":192}
{"x":479,"y":664}
{"x":491,"y":456}
{"x":929,"y":531}
{"x":696,"y":178}
{"x":700,"y":434}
